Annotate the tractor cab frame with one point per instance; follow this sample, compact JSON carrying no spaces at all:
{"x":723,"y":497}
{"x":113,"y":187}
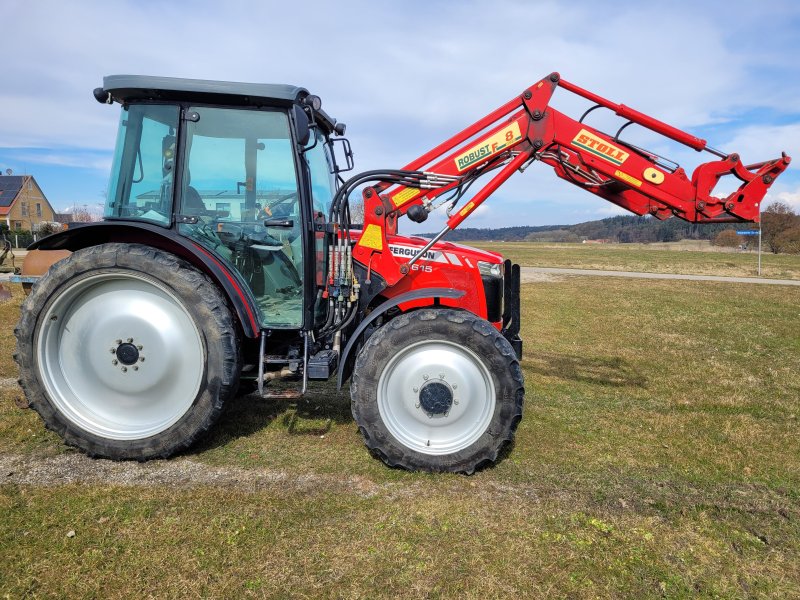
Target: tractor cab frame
{"x":243,"y":171}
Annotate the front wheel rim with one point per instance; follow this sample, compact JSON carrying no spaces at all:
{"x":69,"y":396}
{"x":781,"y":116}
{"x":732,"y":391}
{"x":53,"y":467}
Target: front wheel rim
{"x":441,"y":428}
{"x":119,"y":355}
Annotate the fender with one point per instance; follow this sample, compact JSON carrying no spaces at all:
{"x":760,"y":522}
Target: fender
{"x":435,"y":293}
{"x":94,"y":234}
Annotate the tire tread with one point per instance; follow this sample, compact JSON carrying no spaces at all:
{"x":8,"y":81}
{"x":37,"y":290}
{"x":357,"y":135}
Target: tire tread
{"x":365,"y":376}
{"x":137,"y":257}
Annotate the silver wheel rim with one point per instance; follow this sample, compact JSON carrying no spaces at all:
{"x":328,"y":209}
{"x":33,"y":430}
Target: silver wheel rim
{"x":460,"y":370}
{"x":134,"y":395}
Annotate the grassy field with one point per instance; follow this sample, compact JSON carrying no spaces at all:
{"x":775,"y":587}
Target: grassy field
{"x":658,"y":457}
{"x":686,"y":258}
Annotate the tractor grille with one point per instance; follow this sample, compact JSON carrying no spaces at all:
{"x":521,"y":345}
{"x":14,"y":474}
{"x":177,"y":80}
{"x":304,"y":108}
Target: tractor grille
{"x":493,"y":289}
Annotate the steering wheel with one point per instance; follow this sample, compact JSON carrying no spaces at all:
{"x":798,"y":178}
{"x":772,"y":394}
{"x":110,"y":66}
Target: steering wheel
{"x":278,"y":202}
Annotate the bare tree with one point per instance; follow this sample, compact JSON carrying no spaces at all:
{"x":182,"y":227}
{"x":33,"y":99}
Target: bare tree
{"x":356,"y":211}
{"x":82,"y":214}
{"x":777,"y":218}
{"x":789,"y":241}
{"x":727,"y":238}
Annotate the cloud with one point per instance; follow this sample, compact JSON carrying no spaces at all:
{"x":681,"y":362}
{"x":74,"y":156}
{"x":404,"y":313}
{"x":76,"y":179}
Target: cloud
{"x":790,"y":198}
{"x":763,"y":142}
{"x":405,"y":76}
{"x":94,"y":161}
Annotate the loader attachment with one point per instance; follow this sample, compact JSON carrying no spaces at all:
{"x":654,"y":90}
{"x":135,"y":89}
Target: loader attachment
{"x":644,"y":182}
{"x":526,"y":129}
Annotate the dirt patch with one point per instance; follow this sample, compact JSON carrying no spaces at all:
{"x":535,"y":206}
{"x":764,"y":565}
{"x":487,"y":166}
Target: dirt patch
{"x":528,"y":275}
{"x":175,"y":473}
{"x":7,"y":383}
{"x":185,"y":473}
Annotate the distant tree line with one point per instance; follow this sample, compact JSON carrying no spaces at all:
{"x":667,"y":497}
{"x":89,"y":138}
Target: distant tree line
{"x":502,"y":234}
{"x":781,"y":231}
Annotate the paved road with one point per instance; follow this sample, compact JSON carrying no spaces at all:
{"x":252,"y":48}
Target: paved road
{"x":530,"y":274}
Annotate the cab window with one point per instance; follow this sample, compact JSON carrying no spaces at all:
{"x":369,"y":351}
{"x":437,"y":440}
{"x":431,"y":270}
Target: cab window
{"x":144,"y":164}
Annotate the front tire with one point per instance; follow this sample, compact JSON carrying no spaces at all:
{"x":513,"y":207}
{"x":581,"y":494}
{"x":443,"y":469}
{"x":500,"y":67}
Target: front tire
{"x":437,"y":390}
{"x":127,"y":352}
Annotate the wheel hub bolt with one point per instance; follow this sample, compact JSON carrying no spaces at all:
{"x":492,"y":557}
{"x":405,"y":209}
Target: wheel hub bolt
{"x":124,"y":369}
{"x":426,"y":377}
{"x":115,"y":362}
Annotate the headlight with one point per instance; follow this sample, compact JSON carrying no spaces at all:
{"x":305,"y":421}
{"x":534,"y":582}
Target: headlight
{"x":490,"y":269}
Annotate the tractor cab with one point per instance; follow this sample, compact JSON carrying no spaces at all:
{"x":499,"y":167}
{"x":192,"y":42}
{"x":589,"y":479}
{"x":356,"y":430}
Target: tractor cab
{"x":245,"y":171}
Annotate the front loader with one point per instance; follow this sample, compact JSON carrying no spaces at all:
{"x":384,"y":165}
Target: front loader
{"x":227,"y":260}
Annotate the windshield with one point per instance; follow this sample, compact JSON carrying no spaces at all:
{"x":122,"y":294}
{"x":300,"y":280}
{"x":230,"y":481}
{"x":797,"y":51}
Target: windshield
{"x":320,"y":165}
{"x":142,"y":174}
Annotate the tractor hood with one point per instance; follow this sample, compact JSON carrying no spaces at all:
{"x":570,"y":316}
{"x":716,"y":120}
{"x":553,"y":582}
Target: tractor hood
{"x":443,"y":251}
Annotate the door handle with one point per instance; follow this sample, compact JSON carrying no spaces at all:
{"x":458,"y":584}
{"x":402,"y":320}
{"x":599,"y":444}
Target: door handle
{"x":279,"y":223}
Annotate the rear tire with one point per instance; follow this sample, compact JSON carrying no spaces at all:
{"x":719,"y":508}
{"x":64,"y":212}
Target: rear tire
{"x":127,"y":352}
{"x":437,"y":390}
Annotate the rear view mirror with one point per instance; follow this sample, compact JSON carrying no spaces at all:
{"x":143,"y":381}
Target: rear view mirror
{"x":302,"y":125}
{"x":347,"y":152}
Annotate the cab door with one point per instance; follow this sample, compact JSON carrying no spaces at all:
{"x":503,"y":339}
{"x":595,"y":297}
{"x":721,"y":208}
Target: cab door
{"x":239,"y":197}
{"x":318,"y":160}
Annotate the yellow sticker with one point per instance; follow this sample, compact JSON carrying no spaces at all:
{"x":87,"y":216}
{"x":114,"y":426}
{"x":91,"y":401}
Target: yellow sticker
{"x":465,"y":211}
{"x":654,"y":176}
{"x":489,"y":147}
{"x":600,"y":147}
{"x":407,"y":194}
{"x":372,"y":237}
{"x":629,"y":178}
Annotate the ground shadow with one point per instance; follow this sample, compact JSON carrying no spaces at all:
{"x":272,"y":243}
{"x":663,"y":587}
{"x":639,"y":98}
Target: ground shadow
{"x":610,"y":371}
{"x":314,"y":414}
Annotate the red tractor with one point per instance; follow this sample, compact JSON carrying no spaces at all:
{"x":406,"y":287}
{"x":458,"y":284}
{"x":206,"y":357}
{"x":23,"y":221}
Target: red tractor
{"x":227,"y":259}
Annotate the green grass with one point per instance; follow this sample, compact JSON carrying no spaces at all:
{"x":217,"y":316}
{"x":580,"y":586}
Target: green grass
{"x":684,"y":258}
{"x":658,"y":456}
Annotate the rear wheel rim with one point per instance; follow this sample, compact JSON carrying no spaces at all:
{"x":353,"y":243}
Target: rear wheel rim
{"x":119,"y":355}
{"x":447,"y":427}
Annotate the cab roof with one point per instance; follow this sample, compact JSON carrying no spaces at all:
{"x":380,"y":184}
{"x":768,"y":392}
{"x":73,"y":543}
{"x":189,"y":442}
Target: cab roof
{"x":128,"y":88}
{"x":143,"y":87}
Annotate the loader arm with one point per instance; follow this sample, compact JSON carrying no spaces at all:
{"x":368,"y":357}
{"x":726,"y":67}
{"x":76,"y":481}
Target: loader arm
{"x":526,"y":129}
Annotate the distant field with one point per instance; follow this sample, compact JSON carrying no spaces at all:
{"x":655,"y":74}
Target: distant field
{"x":659,"y":456}
{"x":686,"y":258}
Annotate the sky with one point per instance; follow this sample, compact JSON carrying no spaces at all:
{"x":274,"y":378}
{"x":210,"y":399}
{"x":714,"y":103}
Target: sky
{"x":405,"y":76}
